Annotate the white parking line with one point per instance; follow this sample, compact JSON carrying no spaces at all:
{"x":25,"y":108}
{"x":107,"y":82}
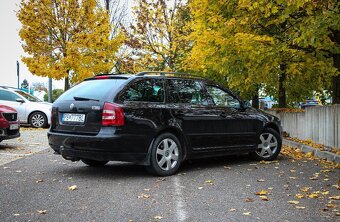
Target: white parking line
{"x":180,"y":205}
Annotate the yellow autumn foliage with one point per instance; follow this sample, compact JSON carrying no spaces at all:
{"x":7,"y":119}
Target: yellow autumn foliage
{"x":67,"y":38}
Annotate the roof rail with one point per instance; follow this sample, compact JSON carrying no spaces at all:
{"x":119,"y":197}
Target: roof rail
{"x":163,"y":73}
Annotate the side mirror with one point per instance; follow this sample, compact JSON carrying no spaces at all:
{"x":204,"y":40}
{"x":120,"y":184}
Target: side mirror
{"x":19,"y":100}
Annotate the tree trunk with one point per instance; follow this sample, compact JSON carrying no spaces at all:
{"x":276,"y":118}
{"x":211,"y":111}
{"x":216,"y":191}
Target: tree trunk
{"x":336,"y":63}
{"x":282,"y":87}
{"x":336,"y":89}
{"x":255,"y":99}
{"x":107,"y":5}
{"x":67,"y":82}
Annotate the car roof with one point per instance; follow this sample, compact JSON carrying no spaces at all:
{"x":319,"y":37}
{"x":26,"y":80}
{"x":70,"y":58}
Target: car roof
{"x":156,"y":74}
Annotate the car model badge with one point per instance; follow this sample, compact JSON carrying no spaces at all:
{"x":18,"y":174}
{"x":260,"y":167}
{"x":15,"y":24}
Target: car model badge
{"x":95,"y":107}
{"x":71,"y":106}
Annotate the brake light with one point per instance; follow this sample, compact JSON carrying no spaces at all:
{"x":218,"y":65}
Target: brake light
{"x":113,"y":115}
{"x":101,"y":77}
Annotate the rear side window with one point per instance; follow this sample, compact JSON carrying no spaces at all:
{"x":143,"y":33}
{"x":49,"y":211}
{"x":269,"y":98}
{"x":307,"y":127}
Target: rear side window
{"x":9,"y":96}
{"x":145,"y":90}
{"x":186,"y":91}
{"x":92,"y":89}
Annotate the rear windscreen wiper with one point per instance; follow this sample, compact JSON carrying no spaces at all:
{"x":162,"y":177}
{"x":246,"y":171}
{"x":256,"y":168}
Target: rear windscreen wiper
{"x":77,"y":98}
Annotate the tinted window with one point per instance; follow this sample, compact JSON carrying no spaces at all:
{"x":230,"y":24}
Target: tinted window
{"x":92,"y":89}
{"x":146,"y":90}
{"x":9,"y":96}
{"x":186,"y":91}
{"x":222,"y":98}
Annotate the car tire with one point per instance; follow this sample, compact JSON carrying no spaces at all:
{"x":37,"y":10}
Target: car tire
{"x":38,"y":120}
{"x":269,"y":146}
{"x":94,"y":163}
{"x":166,"y":155}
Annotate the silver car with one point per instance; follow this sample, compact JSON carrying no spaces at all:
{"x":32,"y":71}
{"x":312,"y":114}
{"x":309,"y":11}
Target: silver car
{"x":31,"y":110}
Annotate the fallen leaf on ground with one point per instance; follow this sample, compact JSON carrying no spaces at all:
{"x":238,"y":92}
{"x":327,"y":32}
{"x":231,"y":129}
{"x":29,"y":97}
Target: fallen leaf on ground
{"x":260,"y":180}
{"x":249,"y":199}
{"x":74,"y":187}
{"x":299,"y":196}
{"x":226,"y":167}
{"x":42,"y":211}
{"x":305,"y":189}
{"x":325,"y":192}
{"x":262,"y":192}
{"x":146,"y":189}
{"x":39,"y":181}
{"x":200,"y":188}
{"x":313,"y":195}
{"x":16,"y":215}
{"x":331,"y":206}
{"x":264,"y":198}
{"x":232,"y":210}
{"x":158,"y":217}
{"x":144,"y":196}
{"x":247,"y":213}
{"x":209,"y":181}
{"x":293,"y":202}
{"x":300,"y":207}
{"x":335,"y":198}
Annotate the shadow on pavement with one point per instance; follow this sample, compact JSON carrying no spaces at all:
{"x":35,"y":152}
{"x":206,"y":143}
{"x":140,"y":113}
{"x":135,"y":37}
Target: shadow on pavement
{"x":114,"y":170}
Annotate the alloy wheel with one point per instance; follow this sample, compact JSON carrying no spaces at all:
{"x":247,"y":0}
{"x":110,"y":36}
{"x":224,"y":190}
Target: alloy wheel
{"x":38,"y":120}
{"x":268,"y":145}
{"x":167,"y":154}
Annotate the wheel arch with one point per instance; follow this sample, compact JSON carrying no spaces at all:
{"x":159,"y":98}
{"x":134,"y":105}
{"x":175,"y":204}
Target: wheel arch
{"x":272,"y":126}
{"x":178,"y":133}
{"x":36,"y":111}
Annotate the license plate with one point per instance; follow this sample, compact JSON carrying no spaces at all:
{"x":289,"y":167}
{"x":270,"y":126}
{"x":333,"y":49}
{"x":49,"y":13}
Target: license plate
{"x":72,"y":117}
{"x":14,"y":126}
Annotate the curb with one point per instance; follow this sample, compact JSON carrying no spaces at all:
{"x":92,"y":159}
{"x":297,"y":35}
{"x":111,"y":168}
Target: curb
{"x":316,"y":152}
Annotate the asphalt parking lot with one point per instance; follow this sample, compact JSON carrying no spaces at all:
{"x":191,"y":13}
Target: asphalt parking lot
{"x":37,"y":185}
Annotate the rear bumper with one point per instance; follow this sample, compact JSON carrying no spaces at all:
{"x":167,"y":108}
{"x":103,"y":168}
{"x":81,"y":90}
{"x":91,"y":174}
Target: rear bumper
{"x":105,"y":146}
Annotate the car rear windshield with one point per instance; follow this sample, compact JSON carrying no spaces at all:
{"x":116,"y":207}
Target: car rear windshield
{"x":92,"y":89}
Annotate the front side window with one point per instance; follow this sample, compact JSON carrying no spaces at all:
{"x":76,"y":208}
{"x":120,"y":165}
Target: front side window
{"x":222,"y":98}
{"x":8,"y":96}
{"x":186,"y":91}
{"x":145,"y":90}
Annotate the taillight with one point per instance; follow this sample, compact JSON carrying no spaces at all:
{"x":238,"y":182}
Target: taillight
{"x":53,"y":116}
{"x":113,"y":115}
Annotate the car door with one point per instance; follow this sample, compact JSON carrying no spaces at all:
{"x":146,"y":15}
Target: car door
{"x":237,"y":128}
{"x":188,"y":103}
{"x":9,"y":98}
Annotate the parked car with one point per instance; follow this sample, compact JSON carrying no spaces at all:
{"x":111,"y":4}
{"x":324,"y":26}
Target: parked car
{"x":158,"y":120}
{"x":309,"y":103}
{"x":31,"y":110}
{"x":9,"y":124}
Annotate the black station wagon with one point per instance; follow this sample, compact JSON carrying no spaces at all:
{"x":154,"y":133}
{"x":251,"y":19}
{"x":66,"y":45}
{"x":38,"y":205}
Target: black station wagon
{"x":158,"y":119}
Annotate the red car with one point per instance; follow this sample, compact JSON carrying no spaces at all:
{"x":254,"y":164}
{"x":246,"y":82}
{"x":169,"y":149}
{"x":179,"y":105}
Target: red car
{"x":9,"y":124}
